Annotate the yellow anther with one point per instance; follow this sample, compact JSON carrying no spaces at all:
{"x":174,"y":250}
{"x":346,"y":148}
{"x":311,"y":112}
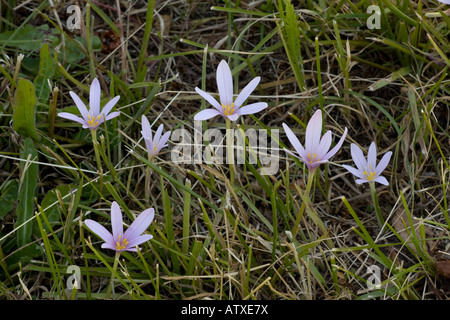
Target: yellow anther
{"x":228,"y":110}
{"x":120,"y":245}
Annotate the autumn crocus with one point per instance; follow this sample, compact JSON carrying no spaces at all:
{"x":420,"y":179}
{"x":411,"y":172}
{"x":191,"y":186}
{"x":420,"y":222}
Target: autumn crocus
{"x":316,"y":150}
{"x":368,"y":170}
{"x":92,"y":118}
{"x":155,"y":143}
{"x":118,"y":240}
{"x":229,"y":108}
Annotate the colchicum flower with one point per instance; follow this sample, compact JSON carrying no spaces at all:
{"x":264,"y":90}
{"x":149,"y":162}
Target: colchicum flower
{"x":93,"y":118}
{"x":316,"y":148}
{"x":118,"y":240}
{"x":368,"y":170}
{"x":229,"y":108}
{"x":154,"y":144}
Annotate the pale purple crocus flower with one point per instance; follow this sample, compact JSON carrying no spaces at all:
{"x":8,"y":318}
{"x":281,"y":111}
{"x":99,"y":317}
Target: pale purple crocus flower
{"x":92,"y":118}
{"x":316,"y":148}
{"x":368,"y":170}
{"x":445,"y":1}
{"x":156,"y":143}
{"x":228,"y":107}
{"x":118,"y":240}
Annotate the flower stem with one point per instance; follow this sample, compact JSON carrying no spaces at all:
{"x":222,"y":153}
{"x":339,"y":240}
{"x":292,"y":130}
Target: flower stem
{"x":302,"y":208}
{"x":230,"y":153}
{"x":376,"y":204}
{"x":148,"y":174}
{"x":116,"y":262}
{"x":97,"y":154}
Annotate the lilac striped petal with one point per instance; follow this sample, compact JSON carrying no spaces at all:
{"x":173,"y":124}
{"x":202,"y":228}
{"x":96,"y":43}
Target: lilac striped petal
{"x":234,"y":116}
{"x":138,"y":240}
{"x":108,"y":245}
{"x":112,"y":115}
{"x":225,"y":83}
{"x":116,"y":220}
{"x":206,"y":114}
{"x":245,"y":93}
{"x":72,"y":117}
{"x":358,"y":157}
{"x":140,"y":224}
{"x":383,"y":162}
{"x":108,"y":107}
{"x":313,"y":131}
{"x":150,"y":146}
{"x":354,"y":171}
{"x":372,"y":157}
{"x":315,"y":164}
{"x":164,"y":138}
{"x":324,"y":145}
{"x":99,"y":230}
{"x":360,"y":181}
{"x":381,"y":180}
{"x":146,"y":128}
{"x":209,"y":98}
{"x":252,"y":108}
{"x":295,"y":142}
{"x":158,"y":134}
{"x":94,"y":97}
{"x":80,"y":105}
{"x":336,"y":147}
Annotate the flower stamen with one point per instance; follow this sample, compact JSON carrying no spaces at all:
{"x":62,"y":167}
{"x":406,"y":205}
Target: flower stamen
{"x":228,"y":110}
{"x":93,"y":121}
{"x":121,"y":244}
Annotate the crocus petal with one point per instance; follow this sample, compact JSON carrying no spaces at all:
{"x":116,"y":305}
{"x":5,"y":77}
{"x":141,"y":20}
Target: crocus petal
{"x":146,"y":128}
{"x":150,"y":146}
{"x":383,"y":162}
{"x":225,"y":83}
{"x":72,"y":117}
{"x":116,"y":220}
{"x":336,"y":147}
{"x":140,"y":224}
{"x":245,"y":93}
{"x":108,"y":107}
{"x":358,"y":157}
{"x":252,"y":108}
{"x":313,"y":132}
{"x":295,"y":142}
{"x":112,"y":115}
{"x":163,"y":140}
{"x":354,"y":171}
{"x":80,"y":105}
{"x":99,"y":230}
{"x":234,"y":116}
{"x":206,"y":114}
{"x":94,"y":97}
{"x":324,"y":145}
{"x":381,"y":180}
{"x":209,"y":98}
{"x":158,"y":134}
{"x":372,"y":157}
{"x":111,"y":246}
{"x":445,"y":1}
{"x":360,"y":181}
{"x":138,"y":240}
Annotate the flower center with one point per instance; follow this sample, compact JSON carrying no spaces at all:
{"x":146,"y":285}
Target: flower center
{"x":313,"y":158}
{"x":121,"y":243}
{"x":370,"y":176}
{"x":93,"y":121}
{"x":228,"y":110}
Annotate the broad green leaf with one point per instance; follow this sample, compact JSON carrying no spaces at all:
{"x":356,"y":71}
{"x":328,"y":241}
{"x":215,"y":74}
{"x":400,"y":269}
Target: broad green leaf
{"x":29,"y":38}
{"x":8,"y":196}
{"x":24,"y":104}
{"x":27,"y":191}
{"x":46,"y":72}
